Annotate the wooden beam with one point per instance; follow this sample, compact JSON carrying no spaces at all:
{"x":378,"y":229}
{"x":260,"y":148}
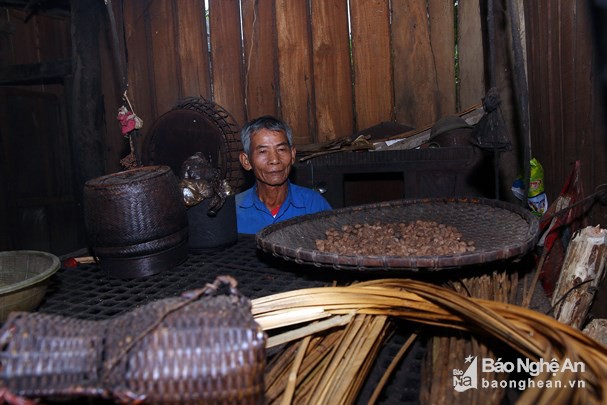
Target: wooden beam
{"x":86,"y":117}
{"x":33,"y":73}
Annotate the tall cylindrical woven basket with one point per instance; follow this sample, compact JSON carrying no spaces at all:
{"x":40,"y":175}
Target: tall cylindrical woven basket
{"x":136,"y":221}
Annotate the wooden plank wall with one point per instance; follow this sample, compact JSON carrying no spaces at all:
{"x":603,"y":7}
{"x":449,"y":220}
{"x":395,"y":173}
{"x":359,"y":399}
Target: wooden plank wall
{"x":328,"y":67}
{"x":566,"y":109}
{"x":38,"y":205}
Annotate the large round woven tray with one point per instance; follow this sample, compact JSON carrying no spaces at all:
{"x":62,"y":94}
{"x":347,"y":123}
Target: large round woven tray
{"x":500,"y":231}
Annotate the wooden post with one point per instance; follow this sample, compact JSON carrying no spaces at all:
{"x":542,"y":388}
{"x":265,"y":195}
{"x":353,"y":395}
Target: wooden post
{"x":87,"y":120}
{"x":583,"y":269}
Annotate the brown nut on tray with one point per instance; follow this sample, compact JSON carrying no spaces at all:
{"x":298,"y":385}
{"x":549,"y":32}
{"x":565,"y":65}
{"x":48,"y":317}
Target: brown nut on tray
{"x":418,"y":238}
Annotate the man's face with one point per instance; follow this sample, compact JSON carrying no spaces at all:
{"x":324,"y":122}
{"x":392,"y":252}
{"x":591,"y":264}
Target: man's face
{"x":270,"y":158}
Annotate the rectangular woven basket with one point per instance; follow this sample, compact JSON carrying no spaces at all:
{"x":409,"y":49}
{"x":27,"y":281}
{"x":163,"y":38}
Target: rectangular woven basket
{"x":197,"y":348}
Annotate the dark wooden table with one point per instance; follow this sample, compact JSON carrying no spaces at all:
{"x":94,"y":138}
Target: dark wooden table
{"x":86,"y":292}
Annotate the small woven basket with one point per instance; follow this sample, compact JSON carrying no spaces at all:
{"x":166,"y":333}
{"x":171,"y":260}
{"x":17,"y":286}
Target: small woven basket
{"x":197,"y":348}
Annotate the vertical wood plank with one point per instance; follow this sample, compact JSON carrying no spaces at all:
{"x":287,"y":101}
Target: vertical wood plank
{"x":442,"y":41}
{"x":86,"y":98}
{"x":141,"y":89}
{"x":373,"y":84}
{"x":295,"y":70}
{"x":550,"y":93}
{"x":540,"y":109}
{"x":588,"y":131}
{"x":536,"y":52}
{"x":332,"y":69}
{"x":226,"y":54}
{"x":6,"y":41}
{"x":192,"y":49}
{"x":470,"y":50}
{"x":510,"y":161}
{"x":116,"y":146}
{"x":555,"y":94}
{"x":261,"y":58}
{"x":55,"y":34}
{"x":589,"y":134}
{"x":415,"y":76}
{"x":569,"y":65}
{"x":565,"y":107}
{"x":28,"y":47}
{"x":163,"y":42}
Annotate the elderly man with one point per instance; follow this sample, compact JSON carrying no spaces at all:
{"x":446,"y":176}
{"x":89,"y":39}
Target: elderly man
{"x":270,"y":154}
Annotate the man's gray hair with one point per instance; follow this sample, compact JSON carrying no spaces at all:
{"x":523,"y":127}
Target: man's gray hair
{"x":266,"y":122}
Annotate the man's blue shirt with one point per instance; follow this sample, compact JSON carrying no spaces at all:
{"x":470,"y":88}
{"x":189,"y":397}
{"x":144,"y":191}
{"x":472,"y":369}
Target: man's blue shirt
{"x":252,"y":215}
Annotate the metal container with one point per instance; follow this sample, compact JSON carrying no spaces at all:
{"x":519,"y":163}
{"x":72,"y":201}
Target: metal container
{"x":212,"y":231}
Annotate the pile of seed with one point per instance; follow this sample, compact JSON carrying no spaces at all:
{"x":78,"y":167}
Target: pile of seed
{"x":418,"y":238}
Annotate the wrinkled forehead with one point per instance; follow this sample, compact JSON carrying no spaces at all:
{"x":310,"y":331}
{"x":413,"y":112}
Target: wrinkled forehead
{"x":267,"y":137}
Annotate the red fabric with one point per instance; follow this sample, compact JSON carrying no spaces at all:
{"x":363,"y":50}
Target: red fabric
{"x":556,"y":232}
{"x":70,"y":263}
{"x":275,"y":211}
{"x":128,"y":120}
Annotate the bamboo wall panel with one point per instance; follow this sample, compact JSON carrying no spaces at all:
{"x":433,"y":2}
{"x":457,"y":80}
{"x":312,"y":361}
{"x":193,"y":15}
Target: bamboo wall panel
{"x":470,"y":41}
{"x":372,"y":59}
{"x":226,"y":56}
{"x":415,"y":72}
{"x":261,"y":59}
{"x":295,"y":68}
{"x":332,"y":69}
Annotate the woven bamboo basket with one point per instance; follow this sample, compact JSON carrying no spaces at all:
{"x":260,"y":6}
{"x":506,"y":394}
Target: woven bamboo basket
{"x":500,"y":230}
{"x":198,"y":348}
{"x":136,"y":221}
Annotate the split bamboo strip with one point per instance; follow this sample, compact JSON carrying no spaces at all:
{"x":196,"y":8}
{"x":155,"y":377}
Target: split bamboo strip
{"x":495,"y":286}
{"x":382,"y":383}
{"x":311,"y":370}
{"x":316,"y":375}
{"x":351,"y":331}
{"x":290,"y":317}
{"x":307,"y":330}
{"x":355,"y":362}
{"x":315,"y":368}
{"x":276,"y":371}
{"x":528,"y":332}
{"x":374,"y":346}
{"x":288,"y":395}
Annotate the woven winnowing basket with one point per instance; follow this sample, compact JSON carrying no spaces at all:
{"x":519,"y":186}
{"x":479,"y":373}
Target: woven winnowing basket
{"x":199,"y":348}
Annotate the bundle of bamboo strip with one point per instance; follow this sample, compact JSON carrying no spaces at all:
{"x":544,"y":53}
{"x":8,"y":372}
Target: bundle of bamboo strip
{"x":531,"y":334}
{"x":446,"y":352}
